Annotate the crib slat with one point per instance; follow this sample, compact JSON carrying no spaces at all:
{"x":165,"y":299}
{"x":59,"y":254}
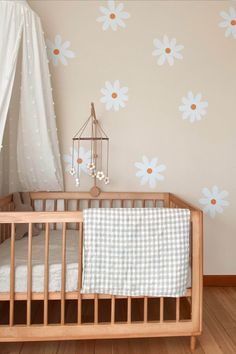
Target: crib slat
{"x":96,"y":308}
{"x":12,"y":275}
{"x":29,"y":275}
{"x":145,"y":310}
{"x":46,"y":259}
{"x":77,"y":209}
{"x":177,"y":308}
{"x":55,"y":209}
{"x":161,"y":309}
{"x":80,"y":272}
{"x":113,"y":309}
{"x":63,"y":273}
{"x":129,"y":310}
{"x":44,"y":209}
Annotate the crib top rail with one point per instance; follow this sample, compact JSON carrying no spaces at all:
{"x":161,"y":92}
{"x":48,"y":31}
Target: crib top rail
{"x":41,"y":217}
{"x":102,"y":196}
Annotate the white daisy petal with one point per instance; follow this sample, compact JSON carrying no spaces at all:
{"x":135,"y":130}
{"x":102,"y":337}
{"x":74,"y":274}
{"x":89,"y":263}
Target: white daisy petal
{"x":223,"y":24}
{"x":170,"y":60}
{"x":111,"y":5}
{"x":104,"y":10}
{"x":157,"y":43}
{"x":152,"y":182}
{"x":166,"y":40}
{"x":58,"y":40}
{"x":106,"y":25}
{"x":144,"y":180}
{"x":203,"y":201}
{"x":145,"y":160}
{"x":139,"y":173}
{"x":232,"y":12}
{"x":223,"y":194}
{"x":69,"y":53}
{"x":124,"y":15}
{"x":225,"y":15}
{"x":120,"y":7}
{"x":63,"y":60}
{"x":161,"y":60}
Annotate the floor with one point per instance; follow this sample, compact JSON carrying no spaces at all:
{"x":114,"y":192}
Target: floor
{"x":219,"y":335}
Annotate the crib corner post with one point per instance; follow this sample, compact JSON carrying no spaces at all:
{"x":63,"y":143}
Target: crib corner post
{"x":193,"y":342}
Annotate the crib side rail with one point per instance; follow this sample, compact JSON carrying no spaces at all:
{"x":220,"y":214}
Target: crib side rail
{"x":105,"y":199}
{"x":177,"y":202}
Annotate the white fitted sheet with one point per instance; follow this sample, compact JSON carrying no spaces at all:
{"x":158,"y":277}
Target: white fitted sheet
{"x":55,"y":251}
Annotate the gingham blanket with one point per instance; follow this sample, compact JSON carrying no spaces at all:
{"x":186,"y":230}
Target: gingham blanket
{"x":136,"y":252}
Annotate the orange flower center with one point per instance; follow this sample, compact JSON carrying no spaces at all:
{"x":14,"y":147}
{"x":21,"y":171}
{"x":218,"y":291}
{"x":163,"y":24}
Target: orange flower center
{"x":56,"y":51}
{"x":114,"y":95}
{"x":79,"y":161}
{"x":167,"y":50}
{"x":193,"y":107}
{"x":112,"y":16}
{"x":149,"y":171}
{"x":213,"y":201}
{"x":233,"y":22}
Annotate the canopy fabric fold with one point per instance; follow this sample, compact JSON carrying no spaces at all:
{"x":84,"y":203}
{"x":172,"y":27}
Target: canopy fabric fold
{"x":38,"y":157}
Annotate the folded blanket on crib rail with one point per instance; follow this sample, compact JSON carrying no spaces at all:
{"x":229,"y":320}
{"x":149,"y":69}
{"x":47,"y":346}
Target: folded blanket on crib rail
{"x":136,"y":252}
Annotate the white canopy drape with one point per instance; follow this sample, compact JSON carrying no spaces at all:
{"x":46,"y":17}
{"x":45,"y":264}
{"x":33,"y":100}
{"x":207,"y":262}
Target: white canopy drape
{"x":38,"y":157}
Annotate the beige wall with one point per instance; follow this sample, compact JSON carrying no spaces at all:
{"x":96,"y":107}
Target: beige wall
{"x":196,"y":155}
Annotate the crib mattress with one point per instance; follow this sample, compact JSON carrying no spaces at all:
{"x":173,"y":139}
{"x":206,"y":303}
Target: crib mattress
{"x":55,"y":251}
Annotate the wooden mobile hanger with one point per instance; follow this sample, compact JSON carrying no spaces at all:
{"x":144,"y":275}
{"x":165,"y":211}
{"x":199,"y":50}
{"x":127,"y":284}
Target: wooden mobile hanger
{"x":92,"y":132}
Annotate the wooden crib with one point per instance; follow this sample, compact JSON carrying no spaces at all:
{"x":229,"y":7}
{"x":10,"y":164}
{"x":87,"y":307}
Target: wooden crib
{"x":129,"y":326}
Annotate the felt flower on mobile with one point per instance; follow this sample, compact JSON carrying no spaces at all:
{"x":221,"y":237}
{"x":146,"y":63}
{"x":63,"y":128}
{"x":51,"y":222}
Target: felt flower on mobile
{"x":167,"y":50}
{"x":193,"y":107}
{"x":229,"y":22}
{"x":149,"y":171}
{"x":213,"y":201}
{"x":114,"y":96}
{"x":82,"y":159}
{"x":113,"y":16}
{"x":58,"y":51}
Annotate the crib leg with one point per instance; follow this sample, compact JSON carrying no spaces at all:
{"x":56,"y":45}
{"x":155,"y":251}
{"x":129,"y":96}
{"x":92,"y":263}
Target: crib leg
{"x":193,"y":341}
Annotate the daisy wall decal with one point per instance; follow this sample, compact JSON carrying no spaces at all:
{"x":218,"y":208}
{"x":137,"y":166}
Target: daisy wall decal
{"x":114,"y":96}
{"x":149,"y":171}
{"x":214,"y":201}
{"x":82,"y":159}
{"x":113,"y":16}
{"x":229,"y":22}
{"x":167,"y":50}
{"x":193,"y":108}
{"x":58,"y":51}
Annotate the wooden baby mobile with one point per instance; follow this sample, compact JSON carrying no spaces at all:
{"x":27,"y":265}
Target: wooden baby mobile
{"x":91,"y":133}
